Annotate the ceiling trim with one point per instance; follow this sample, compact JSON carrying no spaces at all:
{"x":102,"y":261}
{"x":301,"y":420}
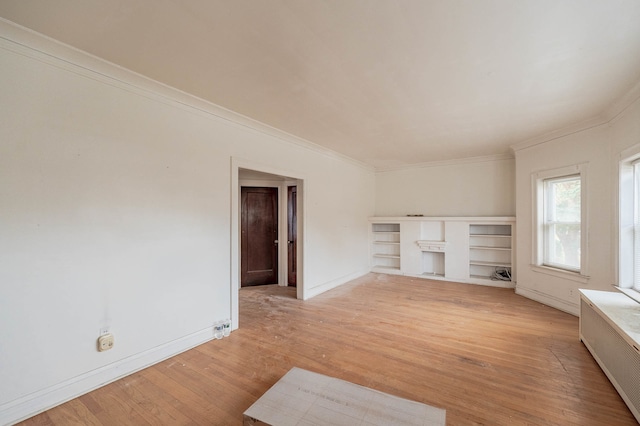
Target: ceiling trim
{"x":560,"y":133}
{"x":617,"y":109}
{"x":454,"y":162}
{"x":24,"y":41}
{"x":608,"y":117}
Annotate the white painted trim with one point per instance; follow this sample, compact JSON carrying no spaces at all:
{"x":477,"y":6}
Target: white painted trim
{"x":240,"y":163}
{"x":260,"y":183}
{"x":623,"y":253}
{"x":29,"y":43}
{"x":608,"y":117}
{"x":545,"y":299}
{"x":537,"y":178}
{"x":617,"y":109}
{"x":560,"y":133}
{"x":330,"y":285}
{"x":630,"y":293}
{"x":476,"y":219}
{"x":455,"y":162}
{"x":561,"y":273}
{"x":630,"y":154}
{"x":42,"y":400}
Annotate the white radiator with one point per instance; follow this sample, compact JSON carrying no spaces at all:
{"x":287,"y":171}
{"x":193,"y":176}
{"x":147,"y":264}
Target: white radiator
{"x":618,"y":358}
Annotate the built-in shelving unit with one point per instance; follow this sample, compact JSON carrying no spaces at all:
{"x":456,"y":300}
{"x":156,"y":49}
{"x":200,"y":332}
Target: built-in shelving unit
{"x":490,"y":251}
{"x":386,"y":247}
{"x":462,"y":249}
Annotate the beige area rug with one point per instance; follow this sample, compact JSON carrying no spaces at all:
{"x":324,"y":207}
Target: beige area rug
{"x":301,"y":397}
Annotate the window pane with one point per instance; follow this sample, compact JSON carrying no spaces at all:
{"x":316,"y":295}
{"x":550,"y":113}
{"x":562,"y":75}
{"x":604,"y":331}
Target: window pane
{"x":565,"y":200}
{"x":562,"y":216}
{"x":563,"y":245}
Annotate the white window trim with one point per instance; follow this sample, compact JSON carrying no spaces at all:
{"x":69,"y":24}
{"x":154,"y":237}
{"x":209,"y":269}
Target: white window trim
{"x":626,"y":195}
{"x":537,"y":249}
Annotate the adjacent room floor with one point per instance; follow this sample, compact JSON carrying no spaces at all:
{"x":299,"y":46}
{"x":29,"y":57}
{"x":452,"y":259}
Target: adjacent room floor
{"x":486,"y":355}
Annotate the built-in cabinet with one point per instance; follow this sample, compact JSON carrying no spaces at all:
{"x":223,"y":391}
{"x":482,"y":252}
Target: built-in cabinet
{"x":386,"y":246}
{"x":475,"y":250}
{"x":490,"y":251}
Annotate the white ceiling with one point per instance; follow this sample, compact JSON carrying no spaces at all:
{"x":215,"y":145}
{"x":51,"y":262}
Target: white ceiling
{"x":387,"y":82}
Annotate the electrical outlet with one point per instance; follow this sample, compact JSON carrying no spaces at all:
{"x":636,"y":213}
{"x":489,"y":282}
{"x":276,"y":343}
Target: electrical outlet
{"x":104,"y":330}
{"x":105,"y":342}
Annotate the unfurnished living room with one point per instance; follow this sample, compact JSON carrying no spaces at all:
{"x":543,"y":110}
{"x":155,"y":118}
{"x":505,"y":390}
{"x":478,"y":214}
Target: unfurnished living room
{"x":348,"y":212}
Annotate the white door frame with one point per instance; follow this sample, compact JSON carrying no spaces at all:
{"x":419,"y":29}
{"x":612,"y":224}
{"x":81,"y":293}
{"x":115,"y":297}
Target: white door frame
{"x":290,"y":177}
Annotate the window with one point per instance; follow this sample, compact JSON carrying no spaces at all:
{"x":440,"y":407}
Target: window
{"x":559,"y":231}
{"x":561,"y":222}
{"x":629,"y":233}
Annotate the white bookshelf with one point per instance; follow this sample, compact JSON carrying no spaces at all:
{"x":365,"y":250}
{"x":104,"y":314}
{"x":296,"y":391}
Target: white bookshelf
{"x":386,"y":247}
{"x":489,"y":250}
{"x":462,"y":249}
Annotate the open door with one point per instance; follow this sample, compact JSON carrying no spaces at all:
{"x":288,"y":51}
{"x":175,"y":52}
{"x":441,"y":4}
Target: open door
{"x":259,"y":236}
{"x":292,"y":235}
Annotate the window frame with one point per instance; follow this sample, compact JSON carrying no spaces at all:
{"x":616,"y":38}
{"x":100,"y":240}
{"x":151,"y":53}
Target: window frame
{"x":628,"y":273}
{"x":548,"y":222}
{"x":538,"y":262}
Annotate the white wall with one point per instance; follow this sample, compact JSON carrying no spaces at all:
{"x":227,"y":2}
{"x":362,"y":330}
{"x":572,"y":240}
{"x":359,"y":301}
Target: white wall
{"x":598,"y":146}
{"x":590,"y":147}
{"x":115,"y":212}
{"x":475,"y":187}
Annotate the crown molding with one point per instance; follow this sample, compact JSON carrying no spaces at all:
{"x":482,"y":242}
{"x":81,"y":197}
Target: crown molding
{"x":617,"y":109}
{"x":24,"y":41}
{"x":453,"y":162}
{"x":609,"y":116}
{"x":29,"y":43}
{"x":560,"y":133}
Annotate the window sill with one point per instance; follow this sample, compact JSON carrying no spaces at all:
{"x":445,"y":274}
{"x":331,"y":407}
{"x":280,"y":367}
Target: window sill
{"x":629,"y":292}
{"x":559,"y":273}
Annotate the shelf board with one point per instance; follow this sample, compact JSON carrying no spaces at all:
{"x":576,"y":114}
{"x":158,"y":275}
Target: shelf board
{"x":432,"y":274}
{"x":485,"y":277}
{"x":387,"y":232}
{"x":490,"y":248}
{"x":388,"y":256}
{"x":485,"y":263}
{"x":490,"y":235}
{"x":387,"y":268}
{"x":393,"y":243}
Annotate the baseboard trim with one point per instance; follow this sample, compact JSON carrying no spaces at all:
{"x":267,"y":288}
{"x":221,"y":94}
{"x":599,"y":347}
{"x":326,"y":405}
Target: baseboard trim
{"x":42,"y":400}
{"x":554,"y":302}
{"x":329,"y":285}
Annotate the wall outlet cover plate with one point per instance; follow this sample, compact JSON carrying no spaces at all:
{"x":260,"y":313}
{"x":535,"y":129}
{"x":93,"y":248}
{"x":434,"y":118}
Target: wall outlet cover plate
{"x":105,"y":342}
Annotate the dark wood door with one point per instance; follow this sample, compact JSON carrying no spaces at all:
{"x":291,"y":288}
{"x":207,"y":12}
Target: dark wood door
{"x":259,"y":241}
{"x":292,"y":235}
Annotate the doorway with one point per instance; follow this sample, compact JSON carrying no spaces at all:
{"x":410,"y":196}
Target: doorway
{"x":249,"y":173}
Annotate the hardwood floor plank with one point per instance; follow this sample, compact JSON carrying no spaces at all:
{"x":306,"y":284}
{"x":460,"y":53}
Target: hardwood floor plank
{"x":486,"y":355}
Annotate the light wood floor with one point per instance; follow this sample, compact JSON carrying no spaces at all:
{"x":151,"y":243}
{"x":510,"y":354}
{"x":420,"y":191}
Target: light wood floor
{"x":486,"y":355}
